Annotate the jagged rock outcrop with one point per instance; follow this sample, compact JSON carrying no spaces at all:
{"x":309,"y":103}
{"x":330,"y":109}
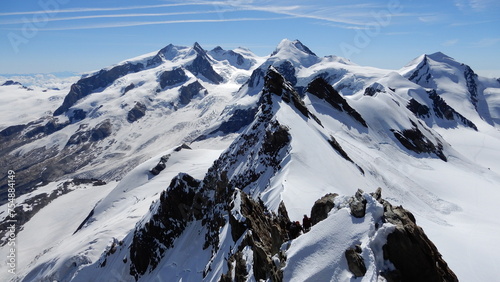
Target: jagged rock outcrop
{"x":322,"y":207}
{"x":237,"y":264}
{"x":189,"y":91}
{"x":355,"y":262}
{"x":320,"y":88}
{"x":77,"y":115}
{"x":443,"y":110}
{"x":163,"y":55}
{"x":137,"y":112}
{"x":201,"y":66}
{"x":276,"y":84}
{"x":287,"y":70}
{"x":409,"y":249}
{"x":471,"y":81}
{"x":374,"y":89}
{"x":413,"y":139}
{"x":408,"y":254}
{"x":421,"y":72}
{"x":99,"y":132}
{"x":50,"y":127}
{"x":336,"y":146}
{"x":256,"y":78}
{"x":128,"y":88}
{"x":421,"y":111}
{"x":181,"y":203}
{"x":172,"y":77}
{"x":357,"y":204}
{"x":162,"y":164}
{"x":12,"y":130}
{"x":263,"y":231}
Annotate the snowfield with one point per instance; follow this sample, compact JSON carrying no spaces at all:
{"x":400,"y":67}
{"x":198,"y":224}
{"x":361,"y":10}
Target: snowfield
{"x":428,"y":158}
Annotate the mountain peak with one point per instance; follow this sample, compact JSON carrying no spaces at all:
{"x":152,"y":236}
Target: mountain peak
{"x":288,"y":45}
{"x":295,"y":52}
{"x":439,"y":57}
{"x":197,"y":47}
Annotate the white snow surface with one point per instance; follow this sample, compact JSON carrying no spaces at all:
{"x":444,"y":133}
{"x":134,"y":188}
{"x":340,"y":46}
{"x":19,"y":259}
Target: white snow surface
{"x":455,"y":201}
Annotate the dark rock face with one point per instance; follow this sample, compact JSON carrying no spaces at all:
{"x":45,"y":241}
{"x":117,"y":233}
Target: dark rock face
{"x":422,"y":72}
{"x":444,"y":111}
{"x":371,"y":91}
{"x":86,"y":86}
{"x":256,"y":77}
{"x":262,"y":224}
{"x":182,"y":147}
{"x":471,"y":78}
{"x":100,"y":132}
{"x":50,"y":127}
{"x":77,"y":115}
{"x":11,"y":130}
{"x":421,"y":111}
{"x":276,"y":140}
{"x":172,"y":77}
{"x":357,"y":204}
{"x":201,"y":65}
{"x":162,"y":164}
{"x":440,"y":108}
{"x":178,"y":205}
{"x":321,"y":89}
{"x":189,"y":91}
{"x":287,"y":70}
{"x":137,"y":112}
{"x":239,"y":119}
{"x":415,"y":257}
{"x":322,"y":207}
{"x":240,"y":269}
{"x":414,"y":140}
{"x":276,"y":84}
{"x":128,"y":88}
{"x":355,"y":262}
{"x":336,"y":146}
{"x":160,"y":56}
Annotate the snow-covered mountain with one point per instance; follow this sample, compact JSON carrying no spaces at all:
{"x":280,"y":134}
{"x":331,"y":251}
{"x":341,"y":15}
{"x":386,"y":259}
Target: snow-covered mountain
{"x":188,"y":164}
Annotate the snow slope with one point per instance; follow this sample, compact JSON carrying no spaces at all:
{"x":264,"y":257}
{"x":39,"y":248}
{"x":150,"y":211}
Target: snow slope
{"x":267,"y":132}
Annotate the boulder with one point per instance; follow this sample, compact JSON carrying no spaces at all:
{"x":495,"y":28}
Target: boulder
{"x":355,"y":262}
{"x":322,"y":207}
{"x":409,"y":249}
{"x":137,"y":112}
{"x":357,"y":204}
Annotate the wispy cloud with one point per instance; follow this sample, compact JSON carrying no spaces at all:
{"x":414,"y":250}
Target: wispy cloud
{"x":130,"y":24}
{"x":430,"y":18}
{"x":122,"y":16}
{"x":486,"y":42}
{"x":450,"y":42}
{"x":475,"y":5}
{"x":350,"y":16}
{"x":83,"y":10}
{"x":472,"y":23}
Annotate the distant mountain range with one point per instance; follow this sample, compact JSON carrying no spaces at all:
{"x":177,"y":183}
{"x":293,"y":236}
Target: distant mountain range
{"x":189,"y":164}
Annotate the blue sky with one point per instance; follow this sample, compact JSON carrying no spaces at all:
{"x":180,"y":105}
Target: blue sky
{"x":68,"y":35}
